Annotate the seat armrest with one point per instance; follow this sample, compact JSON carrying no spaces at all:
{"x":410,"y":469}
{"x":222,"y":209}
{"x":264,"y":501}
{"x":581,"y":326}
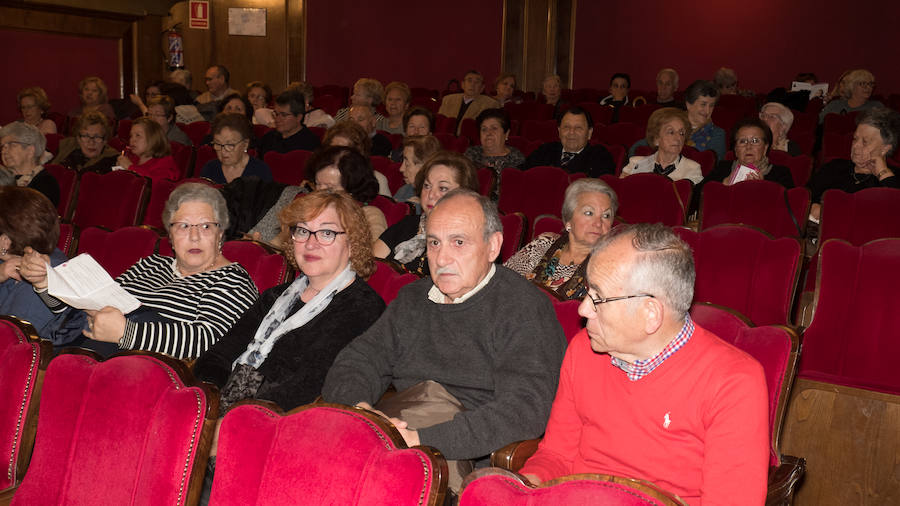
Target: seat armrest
{"x":6,"y":496}
{"x":513,"y":456}
{"x":783,"y":480}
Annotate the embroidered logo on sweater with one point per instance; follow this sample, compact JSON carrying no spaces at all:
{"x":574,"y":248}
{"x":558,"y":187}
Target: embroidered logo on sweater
{"x":666,"y":420}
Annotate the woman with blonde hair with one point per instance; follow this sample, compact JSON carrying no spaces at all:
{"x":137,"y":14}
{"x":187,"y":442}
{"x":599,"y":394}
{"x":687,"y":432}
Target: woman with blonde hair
{"x":34,"y":104}
{"x":93,"y":94}
{"x":852,"y":94}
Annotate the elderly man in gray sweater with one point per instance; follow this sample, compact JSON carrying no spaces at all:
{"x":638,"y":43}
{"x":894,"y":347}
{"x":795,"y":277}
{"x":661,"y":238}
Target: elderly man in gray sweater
{"x":474,"y":351}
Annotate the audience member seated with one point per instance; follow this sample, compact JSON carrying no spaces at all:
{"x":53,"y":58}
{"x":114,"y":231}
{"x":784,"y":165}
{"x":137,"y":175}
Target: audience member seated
{"x":493,"y":152}
{"x":396,"y":102}
{"x":364,"y":116}
{"x":619,"y":85}
{"x":501,"y":332}
{"x":282,"y":347}
{"x":150,"y":92}
{"x":350,"y":134}
{"x":700,"y":101}
{"x":34,"y":104}
{"x":161,"y":109}
{"x":726,"y":81}
{"x":21,"y":146}
{"x":551,"y":89}
{"x":185,"y":79}
{"x":416,"y":121}
{"x":559,"y":262}
{"x":416,"y":149}
{"x":366,"y":91}
{"x":231,"y":134}
{"x":259,"y":94}
{"x":853,"y":93}
{"x":667,"y":130}
{"x":666,"y":86}
{"x":751,"y":139}
{"x":93,"y":95}
{"x":572,"y":152}
{"x":470,"y":102}
{"x":187,"y":303}
{"x":87,"y":150}
{"x":149,"y":153}
{"x":289,"y":133}
{"x":780,"y":118}
{"x":217,"y":80}
{"x":646,"y":393}
{"x":236,"y":104}
{"x":28,"y":222}
{"x":314,"y":116}
{"x":342,"y":168}
{"x":505,"y":87}
{"x":877,"y":133}
{"x":404,"y":242}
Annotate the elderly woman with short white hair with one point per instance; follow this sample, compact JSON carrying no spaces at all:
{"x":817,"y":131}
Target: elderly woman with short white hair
{"x":558,"y":262}
{"x":187,"y":302}
{"x":22,"y":146}
{"x":366,"y":91}
{"x":780,"y":118}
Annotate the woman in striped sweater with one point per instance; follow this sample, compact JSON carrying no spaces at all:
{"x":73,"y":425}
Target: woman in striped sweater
{"x":187,"y":303}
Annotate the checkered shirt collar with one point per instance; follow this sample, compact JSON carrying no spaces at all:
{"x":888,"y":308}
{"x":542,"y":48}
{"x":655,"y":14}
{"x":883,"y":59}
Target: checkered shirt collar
{"x":641,"y":368}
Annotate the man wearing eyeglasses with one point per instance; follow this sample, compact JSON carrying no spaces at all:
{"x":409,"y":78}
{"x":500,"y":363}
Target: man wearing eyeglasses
{"x":289,"y":133}
{"x":646,"y":393}
{"x":474,"y":350}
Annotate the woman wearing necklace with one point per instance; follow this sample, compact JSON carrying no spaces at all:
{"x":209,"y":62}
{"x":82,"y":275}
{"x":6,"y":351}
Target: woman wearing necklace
{"x":21,"y":146}
{"x":667,"y":130}
{"x":558,"y":262}
{"x":187,"y":302}
{"x":876,"y":138}
{"x":34,"y":104}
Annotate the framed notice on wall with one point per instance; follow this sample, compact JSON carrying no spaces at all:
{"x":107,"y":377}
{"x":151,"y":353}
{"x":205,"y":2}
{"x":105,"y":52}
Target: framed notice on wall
{"x":247,"y":21}
{"x":199,"y":15}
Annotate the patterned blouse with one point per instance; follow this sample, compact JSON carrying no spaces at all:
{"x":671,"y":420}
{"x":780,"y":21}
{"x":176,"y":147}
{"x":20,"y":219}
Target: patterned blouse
{"x":538,"y":262}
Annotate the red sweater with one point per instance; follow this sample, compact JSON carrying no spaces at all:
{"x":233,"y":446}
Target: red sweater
{"x":158,"y":168}
{"x":696,"y":426}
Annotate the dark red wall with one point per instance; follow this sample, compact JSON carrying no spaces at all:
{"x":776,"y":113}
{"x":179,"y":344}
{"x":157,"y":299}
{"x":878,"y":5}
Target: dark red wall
{"x":420,"y":43}
{"x":56,"y":63}
{"x":767,"y":42}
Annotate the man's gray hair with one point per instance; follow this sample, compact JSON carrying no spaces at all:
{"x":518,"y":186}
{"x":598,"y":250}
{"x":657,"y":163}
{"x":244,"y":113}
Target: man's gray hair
{"x":196,"y":192}
{"x":26,"y":134}
{"x":585,"y":185}
{"x":671,"y":72}
{"x":663,"y":268}
{"x":492,"y":223}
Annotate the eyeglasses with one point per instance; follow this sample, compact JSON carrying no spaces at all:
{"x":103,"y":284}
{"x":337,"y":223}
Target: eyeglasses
{"x":765,"y":116}
{"x":90,"y":138}
{"x":10,"y":143}
{"x":206,"y":229}
{"x":867,"y":84}
{"x":604,"y":300}
{"x":284,"y":114}
{"x":228,"y":148}
{"x":748,"y":140}
{"x":324,"y":236}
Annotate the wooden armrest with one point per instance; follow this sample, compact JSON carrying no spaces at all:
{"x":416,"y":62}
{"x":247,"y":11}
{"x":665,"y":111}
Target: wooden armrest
{"x":513,"y":456}
{"x":807,"y":305}
{"x":6,"y":496}
{"x":783,"y":480}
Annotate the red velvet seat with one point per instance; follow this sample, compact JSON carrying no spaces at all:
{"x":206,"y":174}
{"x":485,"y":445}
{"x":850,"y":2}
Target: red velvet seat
{"x":485,"y":181}
{"x":840,"y":123}
{"x":566,"y":313}
{"x":321,"y":454}
{"x":160,"y":190}
{"x":763,"y":204}
{"x":123,"y":131}
{"x":533,"y":192}
{"x":112,"y":200}
{"x":622,"y":134}
{"x":266,"y":266}
{"x":183,"y":156}
{"x":547,"y":223}
{"x":393,"y":211}
{"x":852,"y":339}
{"x":805,"y":140}
{"x":203,"y":155}
{"x":53,"y":142}
{"x":67,"y":239}
{"x":23,"y":360}
{"x":68,"y":188}
{"x":523,"y":144}
{"x":388,"y":279}
{"x":196,"y":131}
{"x":834,"y":146}
{"x":600,"y":114}
{"x":133,"y":429}
{"x":726,"y":117}
{"x":444,"y":124}
{"x":288,"y":168}
{"x":260,"y":130}
{"x":800,"y":166}
{"x":328,"y":103}
{"x":492,"y":486}
{"x":468,"y":130}
{"x":706,"y":159}
{"x":523,"y":111}
{"x":651,"y":198}
{"x":619,"y":154}
{"x":395,"y":178}
{"x":117,"y":251}
{"x":513,"y":234}
{"x":540,"y":130}
{"x":746,"y":270}
{"x":637,"y":115}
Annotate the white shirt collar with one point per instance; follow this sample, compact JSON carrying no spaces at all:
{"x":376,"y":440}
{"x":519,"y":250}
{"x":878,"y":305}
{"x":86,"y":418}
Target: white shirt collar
{"x":437,"y":296}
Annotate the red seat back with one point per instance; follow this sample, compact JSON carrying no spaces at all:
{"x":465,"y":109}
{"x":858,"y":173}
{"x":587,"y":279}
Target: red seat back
{"x":622,"y":134}
{"x":205,"y":153}
{"x":547,"y":223}
{"x":328,"y":103}
{"x":650,"y":198}
{"x":120,"y":418}
{"x":395,"y":178}
{"x":288,"y":168}
{"x":485,"y":181}
{"x":53,"y":142}
{"x":618,"y":155}
{"x":68,"y":188}
{"x":834,"y":146}
{"x":852,"y":339}
{"x":637,"y":115}
{"x":706,"y":159}
{"x":117,"y":251}
{"x":387,"y":280}
{"x":744,"y":269}
{"x":529,"y":111}
{"x":266,"y":266}
{"x":123,"y":131}
{"x":260,"y":130}
{"x":159,"y":194}
{"x":840,"y":123}
{"x":66,"y":242}
{"x":533,"y":192}
{"x":196,"y":131}
{"x":182,"y":155}
{"x":540,"y":130}
{"x":112,"y":200}
{"x":800,"y":166}
{"x":762,"y":204}
{"x":469,"y":130}
{"x":600,"y":114}
{"x":513,"y":234}
{"x":393,"y":211}
{"x":860,"y":217}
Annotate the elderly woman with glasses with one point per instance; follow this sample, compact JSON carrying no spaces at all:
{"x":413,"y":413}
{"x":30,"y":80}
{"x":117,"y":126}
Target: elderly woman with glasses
{"x":780,"y":118}
{"x":853,"y":94}
{"x":87,"y":150}
{"x":187,"y":302}
{"x":34,"y":104}
{"x":231,"y":137}
{"x":21,"y":146}
{"x":751,"y":139}
{"x":558,"y":262}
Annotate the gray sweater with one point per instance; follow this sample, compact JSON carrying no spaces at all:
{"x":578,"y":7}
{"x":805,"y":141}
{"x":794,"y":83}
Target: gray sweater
{"x":498,"y":352}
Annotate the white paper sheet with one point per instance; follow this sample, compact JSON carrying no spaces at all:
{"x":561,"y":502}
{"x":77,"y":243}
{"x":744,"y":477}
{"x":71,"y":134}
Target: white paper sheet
{"x":83,"y":284}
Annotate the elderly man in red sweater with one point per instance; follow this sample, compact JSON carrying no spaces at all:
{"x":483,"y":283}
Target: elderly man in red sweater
{"x":646,"y":393}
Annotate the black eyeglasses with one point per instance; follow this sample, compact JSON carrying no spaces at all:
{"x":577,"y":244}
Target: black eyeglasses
{"x":604,"y":300}
{"x":324,"y":236}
